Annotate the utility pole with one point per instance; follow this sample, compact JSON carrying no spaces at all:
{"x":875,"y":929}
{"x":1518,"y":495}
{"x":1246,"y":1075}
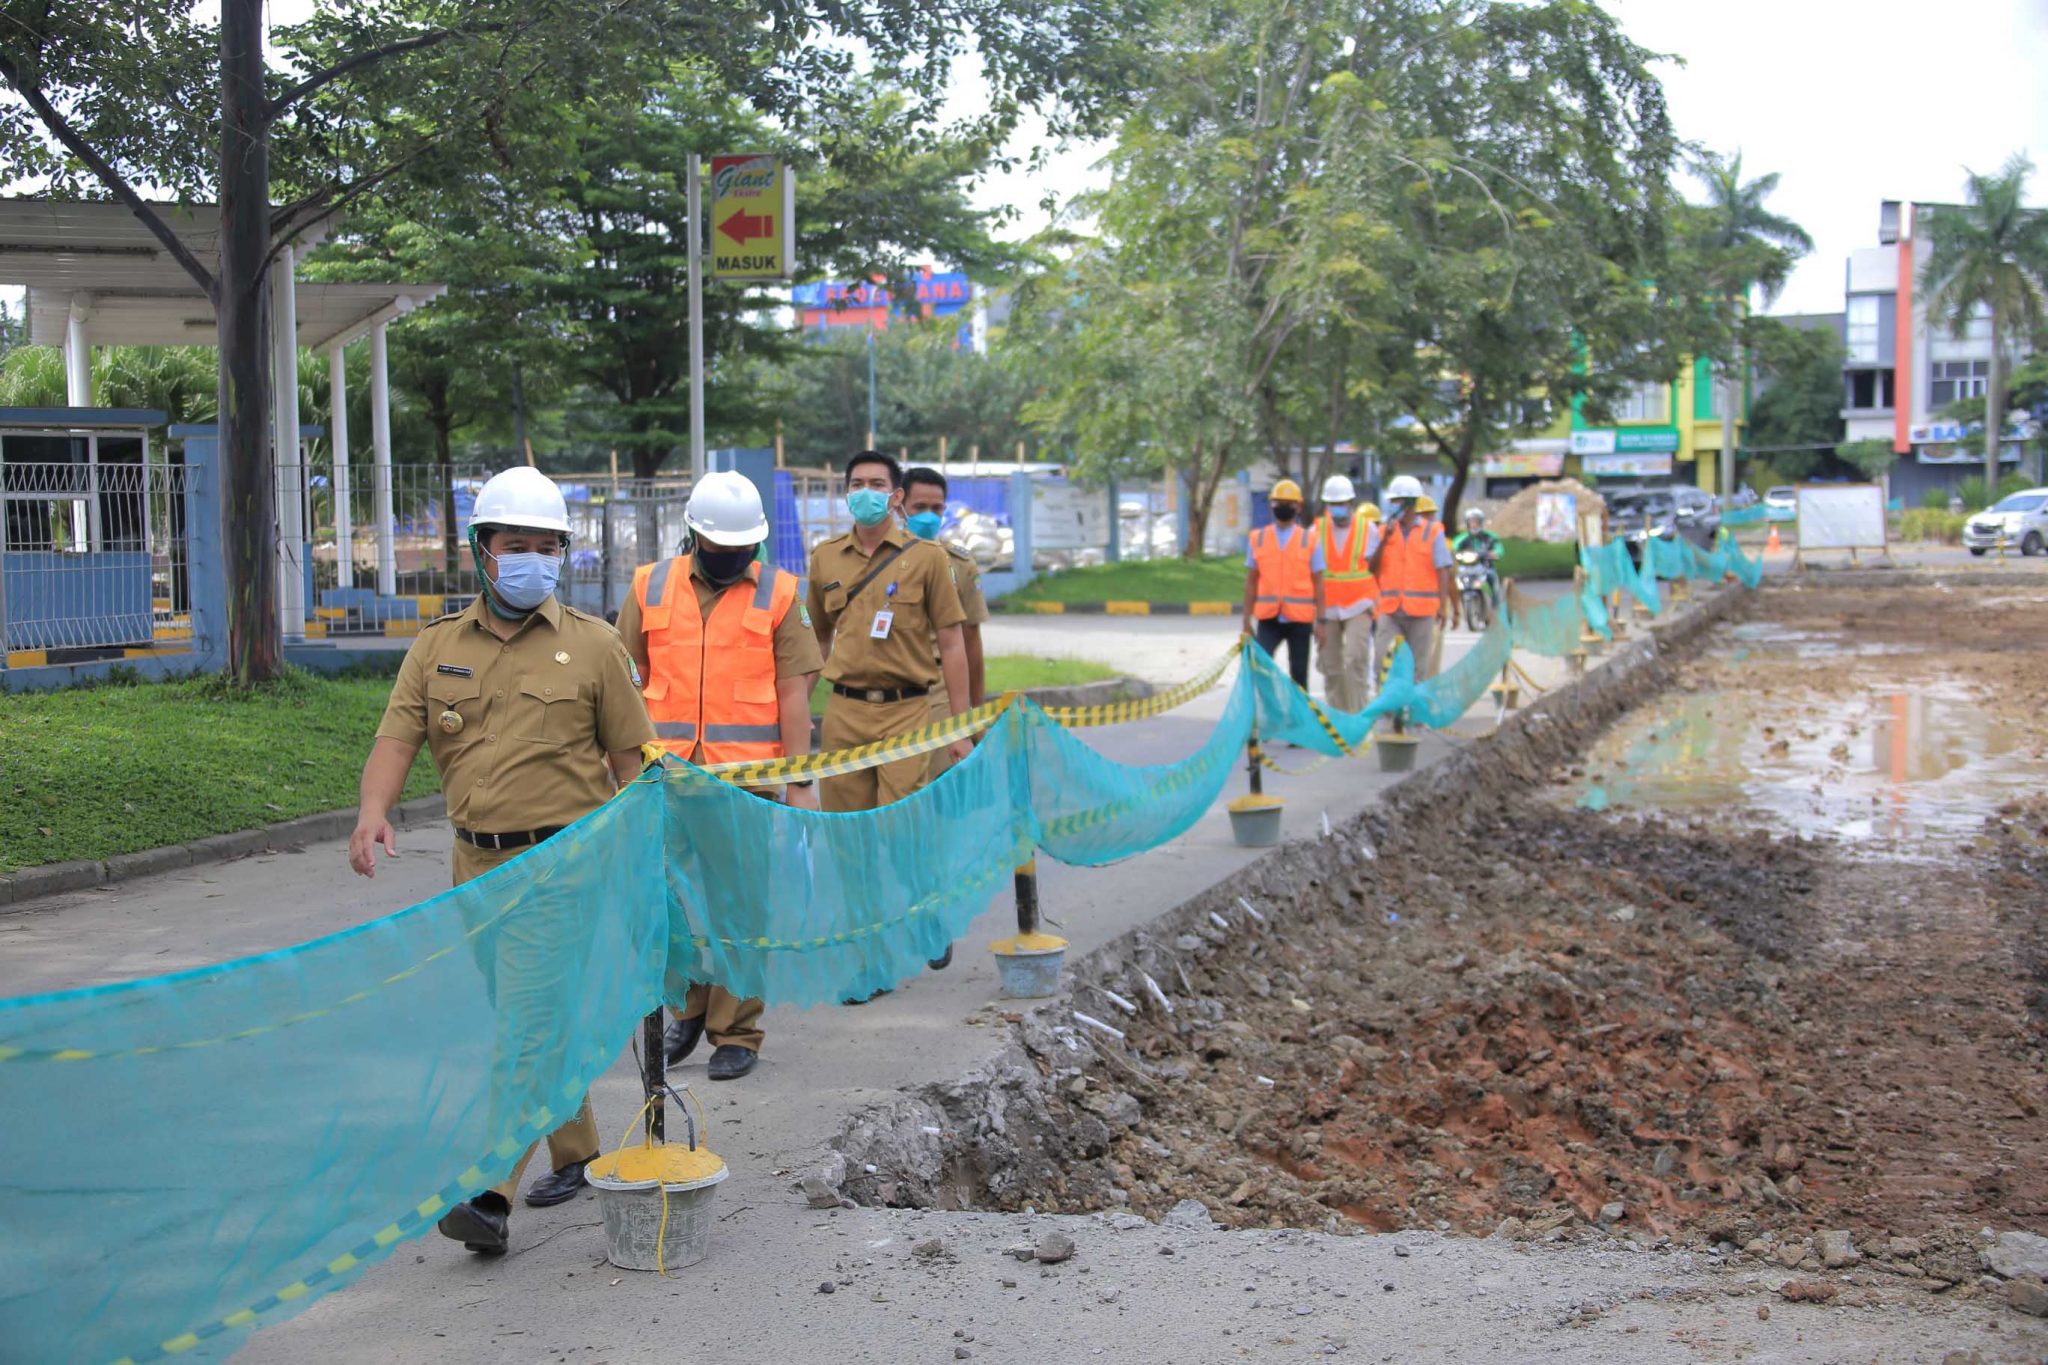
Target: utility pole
{"x":871,"y":388}
{"x":694,"y":205}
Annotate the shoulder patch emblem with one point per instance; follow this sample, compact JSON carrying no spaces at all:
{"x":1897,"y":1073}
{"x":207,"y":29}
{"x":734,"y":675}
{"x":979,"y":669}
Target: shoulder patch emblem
{"x":803,"y":614}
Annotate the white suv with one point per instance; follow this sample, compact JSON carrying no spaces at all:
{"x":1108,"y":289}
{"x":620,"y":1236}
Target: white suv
{"x":2023,"y":518}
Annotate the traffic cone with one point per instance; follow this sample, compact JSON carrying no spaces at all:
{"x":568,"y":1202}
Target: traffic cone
{"x":1772,"y":546}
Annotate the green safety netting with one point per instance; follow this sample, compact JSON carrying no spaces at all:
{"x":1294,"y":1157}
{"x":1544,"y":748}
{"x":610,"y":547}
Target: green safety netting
{"x":193,"y":1155}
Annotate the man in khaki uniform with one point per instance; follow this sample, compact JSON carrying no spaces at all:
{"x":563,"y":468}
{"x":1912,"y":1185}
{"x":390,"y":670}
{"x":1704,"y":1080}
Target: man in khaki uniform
{"x":531,"y":713}
{"x":692,"y":677}
{"x":924,"y":512}
{"x":878,"y":598}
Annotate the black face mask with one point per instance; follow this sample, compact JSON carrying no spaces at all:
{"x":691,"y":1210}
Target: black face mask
{"x":722,"y":566}
{"x":1283,"y":512}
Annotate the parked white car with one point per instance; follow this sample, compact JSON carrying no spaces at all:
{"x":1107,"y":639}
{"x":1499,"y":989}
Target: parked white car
{"x":1784,"y":498}
{"x":2021,"y":518}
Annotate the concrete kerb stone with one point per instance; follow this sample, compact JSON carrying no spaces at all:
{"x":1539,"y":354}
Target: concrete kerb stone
{"x":1093,"y":694}
{"x":53,"y":879}
{"x":967,"y":1142}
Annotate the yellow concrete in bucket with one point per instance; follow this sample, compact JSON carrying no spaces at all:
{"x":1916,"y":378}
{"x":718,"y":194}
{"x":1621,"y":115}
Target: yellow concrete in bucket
{"x":1027,"y":943}
{"x":669,"y":1165}
{"x":1256,"y":803}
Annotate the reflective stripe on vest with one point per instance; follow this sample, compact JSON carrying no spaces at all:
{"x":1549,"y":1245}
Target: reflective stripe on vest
{"x":1346,"y":580}
{"x":1285,"y":588}
{"x":1408,"y":574}
{"x":711,"y":678}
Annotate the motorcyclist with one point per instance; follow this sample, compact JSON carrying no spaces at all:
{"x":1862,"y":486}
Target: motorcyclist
{"x":1477,"y":537}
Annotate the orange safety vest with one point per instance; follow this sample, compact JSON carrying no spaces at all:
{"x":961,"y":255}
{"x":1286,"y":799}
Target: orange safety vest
{"x":1408,"y":575}
{"x":711,"y":679}
{"x":1346,"y":580}
{"x":1285,"y":588}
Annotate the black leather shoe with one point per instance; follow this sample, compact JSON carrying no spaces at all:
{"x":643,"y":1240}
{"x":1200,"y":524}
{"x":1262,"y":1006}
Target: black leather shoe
{"x":481,"y":1227}
{"x":943,"y":960}
{"x":871,"y":995}
{"x":558,"y":1186}
{"x":679,"y":1040}
{"x":729,"y":1063}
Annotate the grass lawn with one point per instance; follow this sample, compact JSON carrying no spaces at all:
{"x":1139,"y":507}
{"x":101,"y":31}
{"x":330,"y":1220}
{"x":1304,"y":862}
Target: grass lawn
{"x":1218,"y":579}
{"x":1012,"y":673}
{"x":96,"y":771}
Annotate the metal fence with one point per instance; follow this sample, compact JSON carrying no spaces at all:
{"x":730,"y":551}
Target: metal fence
{"x":94,"y":555}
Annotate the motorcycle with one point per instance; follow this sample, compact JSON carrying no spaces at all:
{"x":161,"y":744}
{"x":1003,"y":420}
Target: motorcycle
{"x":1478,"y":587}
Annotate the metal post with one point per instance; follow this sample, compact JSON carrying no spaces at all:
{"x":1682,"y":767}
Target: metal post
{"x":337,"y":422}
{"x":380,"y":451}
{"x":695,"y":207}
{"x":872,"y":437}
{"x":1115,"y":552}
{"x":290,"y":455}
{"x":653,"y":1073}
{"x":1252,"y":766}
{"x":1027,"y":898}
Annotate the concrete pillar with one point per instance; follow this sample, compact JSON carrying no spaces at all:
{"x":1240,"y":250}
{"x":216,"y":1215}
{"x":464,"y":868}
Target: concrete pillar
{"x":1020,"y":527}
{"x":206,"y":573}
{"x":78,"y":354}
{"x":380,"y":450}
{"x":337,"y":423}
{"x":290,"y":456}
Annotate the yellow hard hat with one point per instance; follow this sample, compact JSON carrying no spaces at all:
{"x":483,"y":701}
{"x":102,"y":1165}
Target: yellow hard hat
{"x":1287,"y":490}
{"x":1425,"y":504}
{"x":1369,"y":511}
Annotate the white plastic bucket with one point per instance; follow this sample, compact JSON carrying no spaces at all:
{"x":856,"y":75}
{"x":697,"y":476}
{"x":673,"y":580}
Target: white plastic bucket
{"x":635,"y":1238}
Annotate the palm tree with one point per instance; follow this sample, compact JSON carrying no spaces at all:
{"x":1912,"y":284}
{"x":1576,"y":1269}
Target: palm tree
{"x":1744,"y":247}
{"x":1991,"y":252}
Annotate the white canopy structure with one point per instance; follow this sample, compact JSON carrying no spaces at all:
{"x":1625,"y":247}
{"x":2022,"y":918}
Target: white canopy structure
{"x":96,"y":276}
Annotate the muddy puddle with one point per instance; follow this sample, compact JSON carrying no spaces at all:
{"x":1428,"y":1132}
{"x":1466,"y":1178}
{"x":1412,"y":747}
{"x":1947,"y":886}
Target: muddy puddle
{"x":1521,"y":1012}
{"x":1895,"y":766}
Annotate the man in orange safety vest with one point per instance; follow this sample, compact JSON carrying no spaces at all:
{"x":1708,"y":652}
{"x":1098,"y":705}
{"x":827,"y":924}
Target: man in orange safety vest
{"x":1411,"y":558}
{"x":1350,"y":595}
{"x":1283,"y":582}
{"x":727,"y":659}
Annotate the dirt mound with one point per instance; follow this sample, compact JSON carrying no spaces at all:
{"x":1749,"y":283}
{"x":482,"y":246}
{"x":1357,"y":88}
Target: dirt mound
{"x":1508,"y":1009}
{"x":1516,"y":518}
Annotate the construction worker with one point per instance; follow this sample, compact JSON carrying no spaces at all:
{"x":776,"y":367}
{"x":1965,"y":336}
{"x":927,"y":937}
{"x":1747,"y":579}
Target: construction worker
{"x":1411,"y":559}
{"x":533,"y":717}
{"x":1349,"y":595}
{"x":879,"y":597}
{"x":727,"y":673}
{"x":1283,"y":582}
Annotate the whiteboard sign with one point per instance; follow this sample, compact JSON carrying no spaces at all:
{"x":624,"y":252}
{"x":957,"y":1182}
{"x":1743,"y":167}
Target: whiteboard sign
{"x":1841,"y":516}
{"x":1064,"y":517}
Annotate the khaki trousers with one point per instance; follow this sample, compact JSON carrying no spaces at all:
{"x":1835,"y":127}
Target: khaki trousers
{"x":576,"y":1140}
{"x":1419,"y":632}
{"x":728,"y":1020}
{"x":1345,"y":661}
{"x":849,"y":724}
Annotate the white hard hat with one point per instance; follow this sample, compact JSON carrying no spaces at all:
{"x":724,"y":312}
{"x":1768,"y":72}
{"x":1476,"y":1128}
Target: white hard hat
{"x":521,"y":496}
{"x":1403,"y":486}
{"x":725,"y":508}
{"x":1337,"y":488}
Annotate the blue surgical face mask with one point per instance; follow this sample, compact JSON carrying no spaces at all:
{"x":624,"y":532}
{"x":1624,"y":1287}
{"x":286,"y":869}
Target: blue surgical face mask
{"x":924,"y":525}
{"x":526,"y":580}
{"x":868,"y":505}
{"x":1341,"y":515}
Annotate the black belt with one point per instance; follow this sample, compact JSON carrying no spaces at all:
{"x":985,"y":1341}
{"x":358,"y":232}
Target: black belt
{"x":500,"y":842}
{"x":880,"y":694}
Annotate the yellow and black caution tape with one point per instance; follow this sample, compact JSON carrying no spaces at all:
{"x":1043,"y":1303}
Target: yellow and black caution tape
{"x":1119,"y":712}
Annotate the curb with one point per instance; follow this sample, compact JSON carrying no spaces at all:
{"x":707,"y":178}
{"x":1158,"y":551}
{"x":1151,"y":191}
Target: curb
{"x":1122,"y":608}
{"x":52,"y":879}
{"x":1092,"y":694}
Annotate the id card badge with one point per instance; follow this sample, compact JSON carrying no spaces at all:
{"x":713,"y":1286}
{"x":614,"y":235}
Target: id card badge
{"x":880,"y":629}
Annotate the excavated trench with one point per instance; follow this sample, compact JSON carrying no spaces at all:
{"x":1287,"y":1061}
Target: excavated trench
{"x":1746,"y":935}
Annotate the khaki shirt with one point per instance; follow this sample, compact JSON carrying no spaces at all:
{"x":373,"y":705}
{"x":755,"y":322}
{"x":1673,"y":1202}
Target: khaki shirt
{"x":923,"y":602}
{"x":532,"y":717}
{"x":796,"y":643}
{"x":967,"y":582}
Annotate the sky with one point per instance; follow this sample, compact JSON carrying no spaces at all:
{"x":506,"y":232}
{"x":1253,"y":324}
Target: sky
{"x":1850,"y":102}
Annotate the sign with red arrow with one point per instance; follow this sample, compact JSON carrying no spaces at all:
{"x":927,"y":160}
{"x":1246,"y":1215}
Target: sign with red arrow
{"x":753,"y":202}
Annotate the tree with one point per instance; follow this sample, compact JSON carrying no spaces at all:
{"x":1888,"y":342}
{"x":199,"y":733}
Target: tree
{"x":1736,"y":247}
{"x":1873,"y":456}
{"x":126,"y":93}
{"x":1797,"y":417}
{"x":1990,"y":254}
{"x":179,"y":381}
